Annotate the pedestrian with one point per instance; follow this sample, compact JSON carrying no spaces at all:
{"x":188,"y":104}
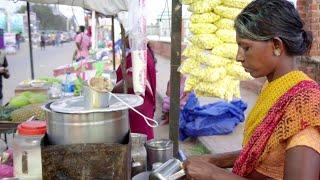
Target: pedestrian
{"x":43,"y":41}
{"x":4,"y":72}
{"x":83,"y":43}
{"x":58,"y":39}
{"x":18,"y":39}
{"x":137,"y":123}
{"x":281,"y":133}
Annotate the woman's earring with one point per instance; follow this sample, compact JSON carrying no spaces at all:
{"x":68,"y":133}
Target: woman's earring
{"x":277,"y":52}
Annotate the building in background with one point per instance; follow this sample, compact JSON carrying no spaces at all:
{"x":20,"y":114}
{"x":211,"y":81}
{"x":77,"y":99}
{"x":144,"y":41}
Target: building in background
{"x":310,"y":13}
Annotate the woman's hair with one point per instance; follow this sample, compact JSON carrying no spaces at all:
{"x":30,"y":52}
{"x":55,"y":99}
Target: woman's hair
{"x":81,"y":28}
{"x":263,"y":20}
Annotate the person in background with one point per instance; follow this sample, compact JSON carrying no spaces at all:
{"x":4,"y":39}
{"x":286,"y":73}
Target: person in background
{"x":137,"y":123}
{"x":83,"y":43}
{"x":166,"y":100}
{"x":43,"y":41}
{"x":4,"y":72}
{"x":58,"y":39}
{"x":281,"y":133}
{"x":18,"y":40}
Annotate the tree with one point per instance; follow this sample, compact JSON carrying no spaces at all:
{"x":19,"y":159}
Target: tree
{"x":48,"y":21}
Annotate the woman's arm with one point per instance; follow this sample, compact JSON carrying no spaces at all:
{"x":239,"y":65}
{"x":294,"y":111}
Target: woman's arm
{"x":302,"y":162}
{"x":118,"y":88}
{"x":223,"y":160}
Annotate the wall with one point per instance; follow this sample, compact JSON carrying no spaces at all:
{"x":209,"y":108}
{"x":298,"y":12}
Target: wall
{"x":309,"y":11}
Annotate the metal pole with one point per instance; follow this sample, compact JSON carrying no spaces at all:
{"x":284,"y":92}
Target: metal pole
{"x":123,"y":60}
{"x":113,"y":45}
{"x":175,"y":75}
{"x":30,"y":41}
{"x":93,"y":29}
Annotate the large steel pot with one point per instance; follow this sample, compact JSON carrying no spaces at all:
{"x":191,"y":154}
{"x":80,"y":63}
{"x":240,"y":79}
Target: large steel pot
{"x":70,"y":126}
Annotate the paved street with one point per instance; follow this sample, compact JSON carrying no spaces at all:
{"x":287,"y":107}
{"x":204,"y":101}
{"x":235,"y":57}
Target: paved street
{"x":44,"y":63}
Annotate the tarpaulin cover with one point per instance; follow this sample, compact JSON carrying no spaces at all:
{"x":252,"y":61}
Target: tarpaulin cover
{"x":213,"y":119}
{"x":106,"y":7}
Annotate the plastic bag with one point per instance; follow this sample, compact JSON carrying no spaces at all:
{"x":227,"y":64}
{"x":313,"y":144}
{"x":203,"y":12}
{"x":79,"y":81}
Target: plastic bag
{"x":205,"y":41}
{"x":202,"y":28}
{"x":203,"y":6}
{"x":227,"y":36}
{"x":138,"y":44}
{"x":213,"y":119}
{"x":236,"y":3}
{"x":139,"y":71}
{"x":225,"y":23}
{"x":226,"y":50}
{"x":204,"y":18}
{"x":227,"y":12}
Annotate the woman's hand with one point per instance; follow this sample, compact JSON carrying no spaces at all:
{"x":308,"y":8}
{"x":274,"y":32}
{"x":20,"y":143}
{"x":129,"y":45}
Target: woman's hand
{"x":201,"y":169}
{"x":224,"y":160}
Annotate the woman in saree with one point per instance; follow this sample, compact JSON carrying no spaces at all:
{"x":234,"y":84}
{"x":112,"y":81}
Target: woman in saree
{"x":137,"y":122}
{"x":281,"y":133}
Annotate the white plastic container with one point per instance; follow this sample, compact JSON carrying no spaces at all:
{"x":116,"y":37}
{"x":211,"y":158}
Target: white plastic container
{"x":27,"y":150}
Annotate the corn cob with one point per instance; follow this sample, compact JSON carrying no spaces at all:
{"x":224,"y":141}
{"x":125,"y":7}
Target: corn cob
{"x":236,"y":3}
{"x":227,"y":12}
{"x":228,"y":36}
{"x":202,"y":28}
{"x":203,"y":6}
{"x":226,"y":50}
{"x":225,"y":24}
{"x":205,"y":41}
{"x":204,"y":18}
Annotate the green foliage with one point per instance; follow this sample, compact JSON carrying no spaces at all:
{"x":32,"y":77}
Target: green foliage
{"x":48,"y":21}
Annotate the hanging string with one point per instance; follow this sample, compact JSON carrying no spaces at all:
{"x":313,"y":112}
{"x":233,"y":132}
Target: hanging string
{"x":146,"y":119}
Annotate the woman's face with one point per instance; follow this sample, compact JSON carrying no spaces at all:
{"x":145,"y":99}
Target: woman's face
{"x":256,"y":57}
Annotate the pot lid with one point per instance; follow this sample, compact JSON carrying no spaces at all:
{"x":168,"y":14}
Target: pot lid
{"x":76,"y":104}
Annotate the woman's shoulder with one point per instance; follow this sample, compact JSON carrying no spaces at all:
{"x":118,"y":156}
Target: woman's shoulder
{"x":302,"y":112}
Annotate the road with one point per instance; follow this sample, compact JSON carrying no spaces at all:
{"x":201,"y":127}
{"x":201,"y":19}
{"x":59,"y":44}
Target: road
{"x":44,"y":63}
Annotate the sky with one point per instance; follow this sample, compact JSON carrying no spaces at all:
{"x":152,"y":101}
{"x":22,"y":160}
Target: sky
{"x":154,"y":9}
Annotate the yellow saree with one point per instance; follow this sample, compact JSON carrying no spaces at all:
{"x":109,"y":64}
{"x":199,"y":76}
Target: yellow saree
{"x":285,"y":107}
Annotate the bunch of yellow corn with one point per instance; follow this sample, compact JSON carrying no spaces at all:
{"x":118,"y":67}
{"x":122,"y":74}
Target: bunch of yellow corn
{"x":204,"y":18}
{"x":202,"y":28}
{"x":205,"y":41}
{"x":226,"y":50}
{"x":203,"y":6}
{"x":228,"y":36}
{"x":224,"y":23}
{"x":236,"y":3}
{"x":227,"y":12}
